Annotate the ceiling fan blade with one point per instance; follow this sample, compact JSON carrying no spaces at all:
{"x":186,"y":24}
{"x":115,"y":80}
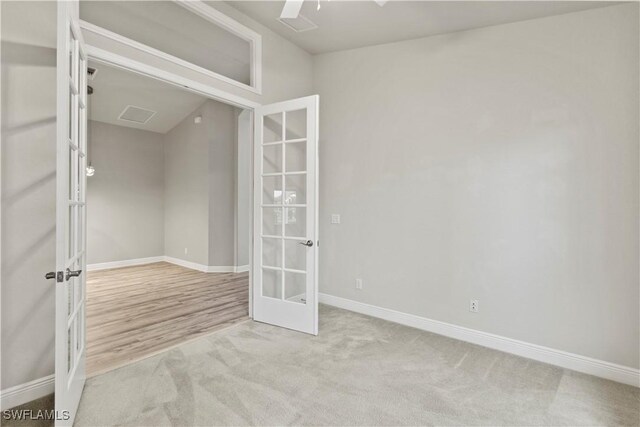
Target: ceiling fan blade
{"x":380,"y":2}
{"x":291,"y":9}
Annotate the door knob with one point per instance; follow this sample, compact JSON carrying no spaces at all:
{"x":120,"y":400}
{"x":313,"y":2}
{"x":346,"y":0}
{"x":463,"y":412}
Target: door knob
{"x":50,"y":275}
{"x":72,"y":273}
{"x":308,"y":243}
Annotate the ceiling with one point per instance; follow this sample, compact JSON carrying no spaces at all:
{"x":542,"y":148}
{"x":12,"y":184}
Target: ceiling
{"x":115,"y":89}
{"x":352,"y":24}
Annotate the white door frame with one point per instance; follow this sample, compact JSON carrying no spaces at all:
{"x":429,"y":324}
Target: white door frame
{"x":112,"y":59}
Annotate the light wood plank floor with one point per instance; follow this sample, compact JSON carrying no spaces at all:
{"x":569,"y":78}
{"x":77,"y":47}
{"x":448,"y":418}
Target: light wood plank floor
{"x":136,"y":312}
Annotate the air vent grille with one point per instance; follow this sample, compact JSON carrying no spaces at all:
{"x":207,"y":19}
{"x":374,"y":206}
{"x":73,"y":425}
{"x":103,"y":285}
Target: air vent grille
{"x":299,"y":24}
{"x":136,"y":114}
{"x":91,"y":72}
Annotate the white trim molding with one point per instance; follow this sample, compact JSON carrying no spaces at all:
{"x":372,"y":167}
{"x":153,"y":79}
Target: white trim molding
{"x":576,"y":362}
{"x":215,"y":17}
{"x":187,"y":264}
{"x":207,"y":268}
{"x":172,"y":260}
{"x":115,"y":60}
{"x":124,"y":263}
{"x":241,"y":268}
{"x":24,"y":393}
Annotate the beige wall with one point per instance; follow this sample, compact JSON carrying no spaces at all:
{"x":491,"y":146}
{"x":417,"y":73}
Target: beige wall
{"x":200,"y":187}
{"x":222,"y":122}
{"x":498,"y":164}
{"x":186,"y":192}
{"x":125,"y":198}
{"x":28,"y":191}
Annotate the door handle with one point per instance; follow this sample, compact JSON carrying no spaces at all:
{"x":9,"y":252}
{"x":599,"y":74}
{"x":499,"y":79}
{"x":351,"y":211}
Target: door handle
{"x":308,"y":243}
{"x":50,"y":275}
{"x":72,"y":273}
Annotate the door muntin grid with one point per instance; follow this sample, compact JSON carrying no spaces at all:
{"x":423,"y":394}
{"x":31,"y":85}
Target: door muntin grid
{"x":75,"y":239}
{"x":285,"y":223}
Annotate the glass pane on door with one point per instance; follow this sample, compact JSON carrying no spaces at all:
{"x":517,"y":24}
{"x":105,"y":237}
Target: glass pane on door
{"x":272,"y":252}
{"x":295,"y":255}
{"x":295,"y":287}
{"x":296,"y":157}
{"x":272,"y":190}
{"x":272,"y":159}
{"x":272,"y":128}
{"x":295,"y":222}
{"x":295,"y":190}
{"x":272,"y":283}
{"x":272,"y":221}
{"x":296,"y":124}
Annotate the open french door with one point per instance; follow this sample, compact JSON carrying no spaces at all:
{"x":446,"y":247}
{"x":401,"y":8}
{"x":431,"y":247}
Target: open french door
{"x":285,"y":258}
{"x":70,"y":213}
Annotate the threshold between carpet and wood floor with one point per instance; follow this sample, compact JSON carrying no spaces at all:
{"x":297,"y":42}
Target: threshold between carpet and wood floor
{"x":135,"y":312}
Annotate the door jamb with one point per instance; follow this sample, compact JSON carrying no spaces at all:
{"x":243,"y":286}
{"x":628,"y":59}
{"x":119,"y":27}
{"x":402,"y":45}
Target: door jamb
{"x":112,"y":59}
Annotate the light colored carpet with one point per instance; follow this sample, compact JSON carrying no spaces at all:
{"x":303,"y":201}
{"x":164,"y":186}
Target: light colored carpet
{"x":357,"y":371}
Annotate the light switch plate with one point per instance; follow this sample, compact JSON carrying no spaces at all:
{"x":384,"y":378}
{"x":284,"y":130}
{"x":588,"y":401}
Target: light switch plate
{"x":335,"y":218}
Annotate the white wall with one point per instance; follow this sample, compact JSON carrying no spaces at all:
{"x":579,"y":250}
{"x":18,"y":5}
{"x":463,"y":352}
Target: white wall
{"x":186,"y":191}
{"x":200,"y":187}
{"x":499,"y":164}
{"x":28,"y":190}
{"x":125,"y":198}
{"x":221,"y":120}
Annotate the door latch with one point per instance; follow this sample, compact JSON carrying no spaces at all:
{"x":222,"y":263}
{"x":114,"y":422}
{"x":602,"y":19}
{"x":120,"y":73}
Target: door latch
{"x":72,"y":273}
{"x":59,"y":276}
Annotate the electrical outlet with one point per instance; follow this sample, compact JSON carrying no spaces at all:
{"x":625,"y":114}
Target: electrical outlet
{"x":335,"y":218}
{"x":186,"y":251}
{"x":358,"y":283}
{"x":474,"y":306}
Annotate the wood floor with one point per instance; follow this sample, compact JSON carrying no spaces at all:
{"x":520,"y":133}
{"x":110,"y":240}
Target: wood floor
{"x":135,"y":312}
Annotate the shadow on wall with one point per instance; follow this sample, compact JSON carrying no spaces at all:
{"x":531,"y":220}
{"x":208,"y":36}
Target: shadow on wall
{"x":28,"y":211}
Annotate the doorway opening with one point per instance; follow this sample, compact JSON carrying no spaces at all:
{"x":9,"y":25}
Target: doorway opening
{"x":168,"y":216}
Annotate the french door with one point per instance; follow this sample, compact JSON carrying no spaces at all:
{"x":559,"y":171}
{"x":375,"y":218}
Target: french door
{"x":70,"y":276}
{"x":285,"y":257}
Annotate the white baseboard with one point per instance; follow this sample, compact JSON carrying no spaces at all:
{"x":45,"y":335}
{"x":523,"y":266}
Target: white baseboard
{"x":124,"y":263}
{"x":187,"y":264}
{"x":241,"y":268}
{"x":587,"y":365}
{"x":172,"y":260}
{"x":23,"y":393}
{"x":201,"y":267}
{"x":221,"y":269}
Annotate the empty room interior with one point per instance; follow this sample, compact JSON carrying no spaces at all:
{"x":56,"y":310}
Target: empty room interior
{"x":168,"y":218}
{"x":303,"y":212}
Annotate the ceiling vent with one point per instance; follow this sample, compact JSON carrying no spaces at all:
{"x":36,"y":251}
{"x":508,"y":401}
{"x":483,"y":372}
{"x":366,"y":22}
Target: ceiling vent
{"x":136,"y":114}
{"x":91,"y":72}
{"x":299,"y":24}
